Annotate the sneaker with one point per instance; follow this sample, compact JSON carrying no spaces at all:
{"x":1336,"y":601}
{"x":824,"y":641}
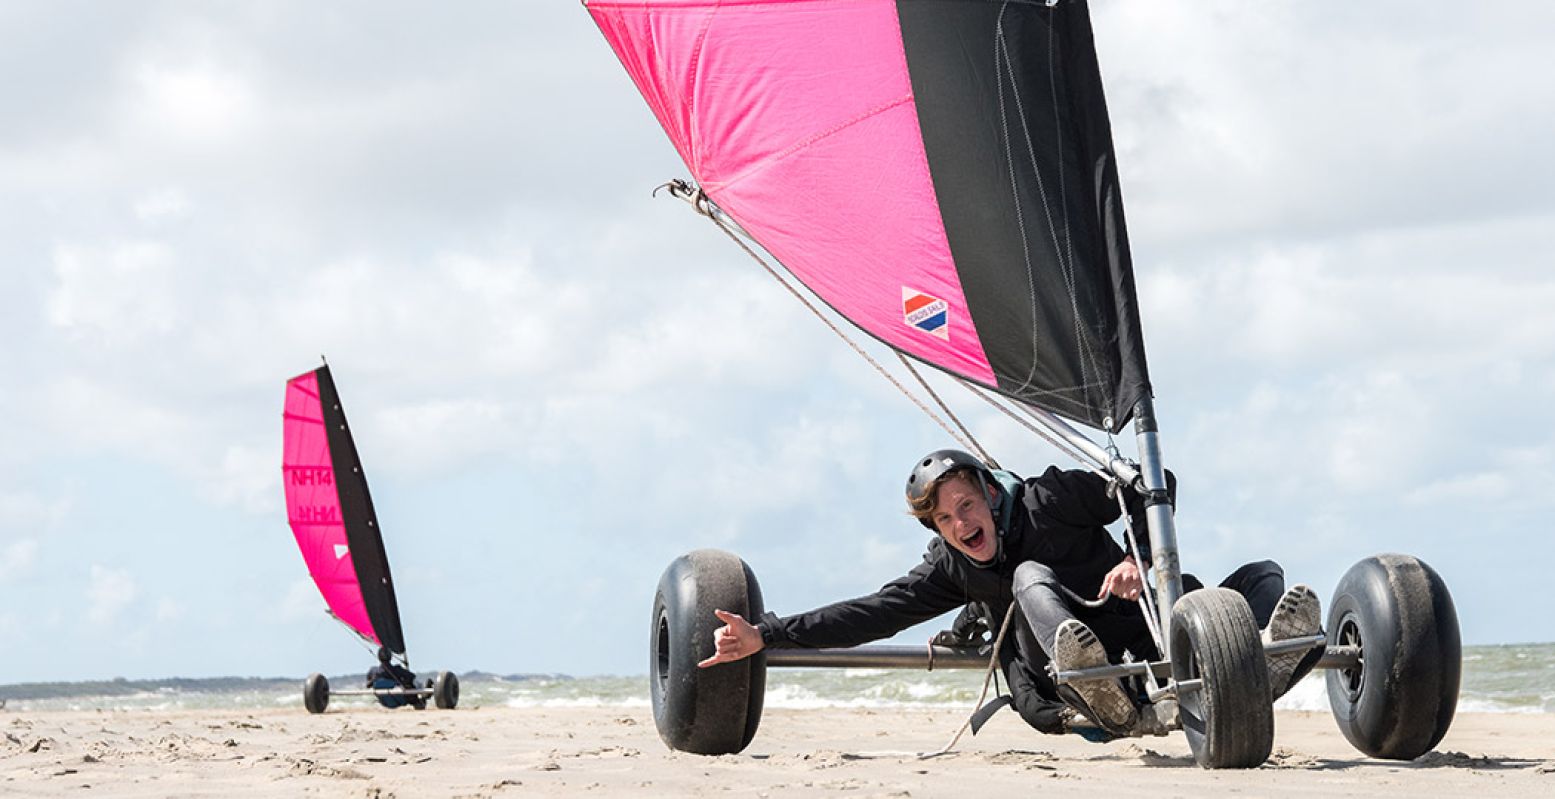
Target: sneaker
{"x":1297,"y":615}
{"x":1075,"y":647}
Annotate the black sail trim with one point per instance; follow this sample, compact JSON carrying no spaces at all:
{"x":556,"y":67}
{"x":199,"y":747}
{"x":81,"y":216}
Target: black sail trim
{"x":363,"y":534}
{"x":1019,"y":145}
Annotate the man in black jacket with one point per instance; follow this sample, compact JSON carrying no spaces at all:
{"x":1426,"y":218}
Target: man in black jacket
{"x":1040,"y":544}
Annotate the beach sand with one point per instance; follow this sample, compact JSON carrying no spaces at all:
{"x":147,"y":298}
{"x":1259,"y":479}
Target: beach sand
{"x":356,"y":750}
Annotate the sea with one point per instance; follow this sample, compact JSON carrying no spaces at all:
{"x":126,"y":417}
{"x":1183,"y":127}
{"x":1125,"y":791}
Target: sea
{"x":1513,"y":678}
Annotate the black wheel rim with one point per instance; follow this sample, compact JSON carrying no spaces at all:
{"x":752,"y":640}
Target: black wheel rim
{"x":1353,"y":678}
{"x":661,"y":656}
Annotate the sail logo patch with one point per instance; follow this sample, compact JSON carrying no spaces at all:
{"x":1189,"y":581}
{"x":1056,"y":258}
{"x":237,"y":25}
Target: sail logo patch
{"x":926,"y":312}
{"x":341,"y":550}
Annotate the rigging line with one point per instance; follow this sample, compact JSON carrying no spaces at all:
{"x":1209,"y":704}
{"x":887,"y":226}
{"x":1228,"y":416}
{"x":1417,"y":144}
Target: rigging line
{"x":1030,"y":414}
{"x":1147,"y":605}
{"x":367,"y":643}
{"x":970,"y":439}
{"x":1058,"y":443}
{"x":993,"y":667}
{"x":814,"y":310}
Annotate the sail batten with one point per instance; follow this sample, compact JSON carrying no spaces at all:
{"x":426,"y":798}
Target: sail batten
{"x":939,"y":172}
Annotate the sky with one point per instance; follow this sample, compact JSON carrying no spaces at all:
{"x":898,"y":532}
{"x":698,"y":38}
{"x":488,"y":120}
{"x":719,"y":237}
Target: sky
{"x":1341,"y":219}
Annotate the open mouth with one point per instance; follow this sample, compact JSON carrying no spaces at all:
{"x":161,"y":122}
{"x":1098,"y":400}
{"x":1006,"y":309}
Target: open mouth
{"x":974,"y":540}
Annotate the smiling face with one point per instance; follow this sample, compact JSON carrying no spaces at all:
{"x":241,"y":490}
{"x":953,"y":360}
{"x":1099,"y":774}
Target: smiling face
{"x":963,"y":518}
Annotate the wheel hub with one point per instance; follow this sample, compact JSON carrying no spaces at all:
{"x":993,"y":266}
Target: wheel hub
{"x":1354,"y":677}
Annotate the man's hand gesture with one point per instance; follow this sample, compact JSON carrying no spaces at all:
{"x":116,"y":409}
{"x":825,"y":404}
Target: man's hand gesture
{"x":737,"y":639}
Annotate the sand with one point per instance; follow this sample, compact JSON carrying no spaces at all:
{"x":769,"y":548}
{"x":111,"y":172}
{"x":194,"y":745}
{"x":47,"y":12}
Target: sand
{"x":356,"y":750}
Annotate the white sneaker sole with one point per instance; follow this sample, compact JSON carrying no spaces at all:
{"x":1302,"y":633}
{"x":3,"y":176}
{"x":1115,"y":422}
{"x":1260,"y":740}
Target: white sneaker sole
{"x":1298,"y":614}
{"x":1075,"y":647}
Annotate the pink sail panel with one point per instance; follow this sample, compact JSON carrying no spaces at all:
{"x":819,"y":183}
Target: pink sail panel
{"x":313,"y":504}
{"x":802,"y":126}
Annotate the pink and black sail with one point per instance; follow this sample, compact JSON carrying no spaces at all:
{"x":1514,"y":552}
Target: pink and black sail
{"x":331,"y":513}
{"x":941,"y":172}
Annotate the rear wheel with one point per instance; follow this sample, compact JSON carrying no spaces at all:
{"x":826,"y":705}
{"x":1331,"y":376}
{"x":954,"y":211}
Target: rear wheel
{"x":445,"y":690}
{"x":315,"y":693}
{"x":712,"y":711}
{"x":1399,"y":700}
{"x":1229,"y":717}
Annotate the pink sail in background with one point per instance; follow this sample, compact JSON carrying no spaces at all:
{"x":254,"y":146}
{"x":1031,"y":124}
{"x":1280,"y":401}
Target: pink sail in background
{"x":330,"y":513}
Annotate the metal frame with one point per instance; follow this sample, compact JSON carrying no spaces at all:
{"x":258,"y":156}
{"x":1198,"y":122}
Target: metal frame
{"x":1157,"y":718}
{"x":929,"y":658}
{"x":382,"y":692}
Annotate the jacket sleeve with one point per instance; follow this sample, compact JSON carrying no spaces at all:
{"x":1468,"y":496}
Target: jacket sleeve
{"x":916,"y":597}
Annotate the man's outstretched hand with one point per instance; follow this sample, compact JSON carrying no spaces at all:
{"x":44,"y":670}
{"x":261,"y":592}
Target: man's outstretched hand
{"x":737,"y":639}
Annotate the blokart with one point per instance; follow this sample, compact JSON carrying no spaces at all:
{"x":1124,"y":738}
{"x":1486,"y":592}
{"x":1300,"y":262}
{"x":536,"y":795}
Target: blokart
{"x":331,"y":515}
{"x":941,"y":174}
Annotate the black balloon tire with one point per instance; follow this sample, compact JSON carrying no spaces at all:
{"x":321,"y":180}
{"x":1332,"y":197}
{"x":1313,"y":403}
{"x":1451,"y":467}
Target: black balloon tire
{"x":445,"y":690}
{"x":315,"y":693}
{"x":711,"y":711}
{"x":1399,"y":701}
{"x":1229,"y":719}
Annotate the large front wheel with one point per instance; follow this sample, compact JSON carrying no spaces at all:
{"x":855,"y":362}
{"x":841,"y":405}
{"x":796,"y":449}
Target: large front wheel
{"x":1223,"y":695}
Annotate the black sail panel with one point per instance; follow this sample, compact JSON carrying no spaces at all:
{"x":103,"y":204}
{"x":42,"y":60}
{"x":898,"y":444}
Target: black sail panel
{"x":361,"y":523}
{"x":1019,"y":145}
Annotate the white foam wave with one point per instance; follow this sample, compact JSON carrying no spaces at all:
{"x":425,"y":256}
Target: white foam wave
{"x":1312,"y":694}
{"x":577,"y":701}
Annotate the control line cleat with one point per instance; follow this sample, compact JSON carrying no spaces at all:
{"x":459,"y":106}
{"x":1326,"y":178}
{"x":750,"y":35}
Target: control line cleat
{"x":1297,"y":615}
{"x":1075,"y":647}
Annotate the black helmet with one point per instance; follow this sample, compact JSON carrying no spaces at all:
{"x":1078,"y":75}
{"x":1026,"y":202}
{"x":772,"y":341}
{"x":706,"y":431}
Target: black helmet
{"x":384,"y":654}
{"x":934,"y":465}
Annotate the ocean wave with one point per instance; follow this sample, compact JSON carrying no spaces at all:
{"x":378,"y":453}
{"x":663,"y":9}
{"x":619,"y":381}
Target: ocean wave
{"x":1496,"y":679}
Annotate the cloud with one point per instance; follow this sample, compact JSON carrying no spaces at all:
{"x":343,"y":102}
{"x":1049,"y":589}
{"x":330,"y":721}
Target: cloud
{"x":117,"y":294}
{"x":249,"y":477}
{"x":301,"y":601}
{"x":108,"y":594}
{"x":17,"y":558}
{"x":25,"y":519}
{"x":162,"y":204}
{"x":1231,"y":126}
{"x":169,"y":609}
{"x":191,"y":102}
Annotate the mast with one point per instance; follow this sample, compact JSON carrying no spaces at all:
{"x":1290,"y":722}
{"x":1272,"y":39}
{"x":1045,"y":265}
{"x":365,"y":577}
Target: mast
{"x":1159,"y":518}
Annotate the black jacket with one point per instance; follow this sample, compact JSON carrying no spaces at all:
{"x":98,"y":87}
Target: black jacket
{"x":1059,"y":519}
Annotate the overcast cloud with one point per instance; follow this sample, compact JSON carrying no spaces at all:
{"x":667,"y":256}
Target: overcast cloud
{"x":1341,"y":222}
